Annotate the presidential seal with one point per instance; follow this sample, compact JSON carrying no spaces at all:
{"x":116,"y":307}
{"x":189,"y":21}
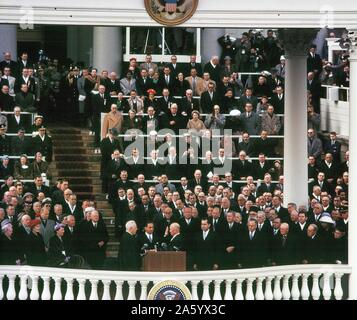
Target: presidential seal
{"x":171,"y":12}
{"x":169,"y":290}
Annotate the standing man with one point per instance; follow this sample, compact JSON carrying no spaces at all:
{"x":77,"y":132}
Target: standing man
{"x":129,"y":251}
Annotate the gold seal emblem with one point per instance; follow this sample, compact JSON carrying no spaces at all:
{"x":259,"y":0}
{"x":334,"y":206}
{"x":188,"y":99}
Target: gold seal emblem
{"x":169,"y":290}
{"x":171,"y":12}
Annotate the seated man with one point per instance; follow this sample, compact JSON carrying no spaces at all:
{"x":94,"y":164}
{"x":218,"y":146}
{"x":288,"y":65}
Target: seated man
{"x":25,"y":99}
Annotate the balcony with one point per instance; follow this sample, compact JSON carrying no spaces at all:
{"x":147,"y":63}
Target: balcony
{"x":297,"y":282}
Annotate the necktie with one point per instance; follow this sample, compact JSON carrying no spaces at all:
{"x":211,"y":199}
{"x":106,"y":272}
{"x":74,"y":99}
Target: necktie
{"x":204,"y":235}
{"x":284,"y":240}
{"x":167,"y":80}
{"x":194,"y":85}
{"x":150,"y":237}
{"x":250,"y":235}
{"x":95,"y":225}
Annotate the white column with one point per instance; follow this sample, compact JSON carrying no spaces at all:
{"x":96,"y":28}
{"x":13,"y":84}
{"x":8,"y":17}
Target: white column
{"x":352,"y":188}
{"x":8,"y":40}
{"x":331,"y":44}
{"x":296,"y":42}
{"x":210,"y":45}
{"x":107,"y":48}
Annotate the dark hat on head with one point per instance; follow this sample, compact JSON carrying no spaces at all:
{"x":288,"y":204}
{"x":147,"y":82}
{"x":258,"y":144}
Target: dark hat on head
{"x":227,"y":58}
{"x":42,"y":128}
{"x":340,"y":227}
{"x":46,"y":201}
{"x":2,"y":126}
{"x":254,"y":209}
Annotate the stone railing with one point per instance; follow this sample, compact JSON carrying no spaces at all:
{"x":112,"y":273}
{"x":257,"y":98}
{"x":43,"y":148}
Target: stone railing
{"x":328,"y":282}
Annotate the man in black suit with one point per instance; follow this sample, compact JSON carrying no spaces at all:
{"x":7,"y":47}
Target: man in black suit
{"x":314,"y":62}
{"x":300,"y":229}
{"x":206,"y":248}
{"x":217,"y":221}
{"x":192,"y":65}
{"x":96,"y":238}
{"x":175,"y":242}
{"x":334,"y":147}
{"x":209,"y":99}
{"x":248,"y":98}
{"x":167,"y":80}
{"x":100,"y":103}
{"x":189,"y":226}
{"x":23,"y":63}
{"x":123,"y":182}
{"x":153,"y":168}
{"x":264,"y":145}
{"x":314,"y":87}
{"x":148,"y":240}
{"x":20,"y":144}
{"x":213,"y":68}
{"x":17,"y":121}
{"x":246,"y":145}
{"x":254,"y":248}
{"x":162,"y":224}
{"x":112,"y":84}
{"x":261,"y":167}
{"x":188,"y":104}
{"x":175,"y":67}
{"x":231,"y":243}
{"x":7,"y":62}
{"x":282,"y":212}
{"x":173,"y":119}
{"x":164,"y":103}
{"x":321,"y":182}
{"x":266,"y":186}
{"x":71,"y":234}
{"x":7,"y":102}
{"x":129,"y":250}
{"x":37,"y":187}
{"x":242,"y":168}
{"x":43,"y":143}
{"x":285,"y":248}
{"x":150,"y":122}
{"x":278,"y":100}
{"x":234,"y":186}
{"x":111,"y":171}
{"x":330,"y":168}
{"x":313,"y":250}
{"x":198,"y":180}
{"x":144,"y":83}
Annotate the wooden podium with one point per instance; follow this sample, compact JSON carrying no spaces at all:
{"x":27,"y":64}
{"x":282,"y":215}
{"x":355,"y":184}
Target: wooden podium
{"x":164,"y":261}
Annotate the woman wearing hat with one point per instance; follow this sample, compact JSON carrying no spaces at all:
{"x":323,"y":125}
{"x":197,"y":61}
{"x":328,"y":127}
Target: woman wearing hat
{"x":150,"y":100}
{"x":9,"y":254}
{"x":36,"y":255}
{"x":22,"y":169}
{"x":195,"y":124}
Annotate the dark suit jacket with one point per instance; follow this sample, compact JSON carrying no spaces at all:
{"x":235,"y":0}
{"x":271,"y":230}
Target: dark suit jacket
{"x":213,"y":72}
{"x":176,"y":244}
{"x":45,"y":147}
{"x":129,"y":253}
{"x":313,"y":250}
{"x":242,"y":170}
{"x":255,"y":251}
{"x":285,"y":254}
{"x":188,"y":66}
{"x":258,"y":171}
{"x":143,"y":240}
{"x":142,"y":87}
{"x":264,"y":188}
{"x":163,"y":85}
{"x":207,"y":103}
{"x":14,"y":126}
{"x":314,"y":63}
{"x":206,"y":252}
{"x":100,"y":105}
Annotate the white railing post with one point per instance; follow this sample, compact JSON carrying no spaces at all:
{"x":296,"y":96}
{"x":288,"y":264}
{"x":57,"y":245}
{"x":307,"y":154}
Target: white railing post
{"x":81,"y":289}
{"x":205,"y":294}
{"x":268,"y":294}
{"x":119,"y":290}
{"x":217,"y":289}
{"x":57,"y":294}
{"x":286,"y":289}
{"x":131,"y":295}
{"x":94,"y":290}
{"x":1,"y":287}
{"x":295,"y":292}
{"x":259,"y":295}
{"x":106,"y":290}
{"x":144,"y":289}
{"x":277,"y":290}
{"x":23,"y":288}
{"x":239,"y":291}
{"x":194,"y":289}
{"x":249,"y":294}
{"x":315,"y":292}
{"x":228,"y":293}
{"x":11,"y":293}
{"x":305,"y":292}
{"x":69,"y":289}
{"x":46,"y":294}
{"x":338,"y":292}
{"x":35,"y":294}
{"x":326,"y":292}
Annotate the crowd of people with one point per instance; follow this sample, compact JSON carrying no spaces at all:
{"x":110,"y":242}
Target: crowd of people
{"x":168,"y":198}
